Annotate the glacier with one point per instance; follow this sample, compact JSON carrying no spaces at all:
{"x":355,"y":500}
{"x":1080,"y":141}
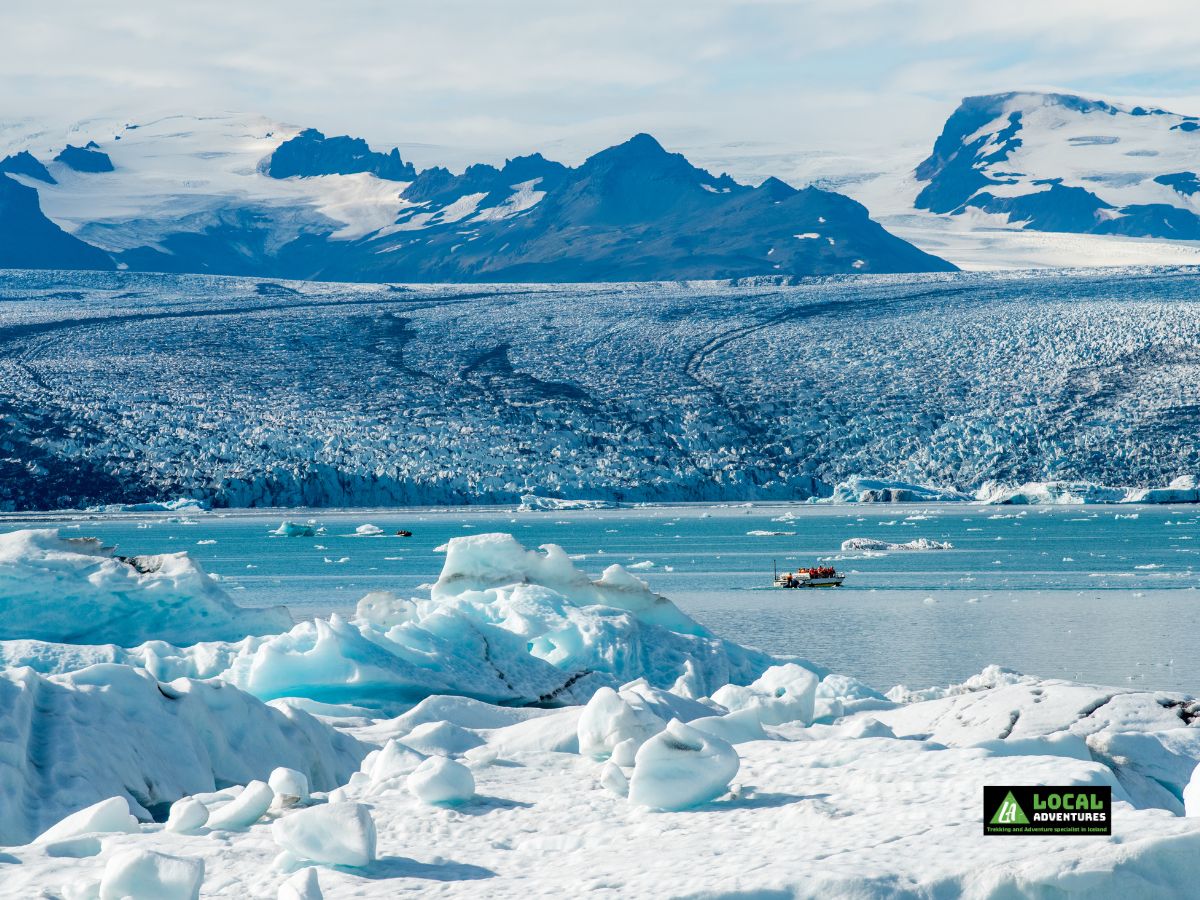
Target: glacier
{"x":682,"y":391}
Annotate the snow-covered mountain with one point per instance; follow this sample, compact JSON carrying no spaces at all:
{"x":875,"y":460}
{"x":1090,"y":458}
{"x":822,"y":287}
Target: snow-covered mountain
{"x":1059,"y":162}
{"x":239,"y":195}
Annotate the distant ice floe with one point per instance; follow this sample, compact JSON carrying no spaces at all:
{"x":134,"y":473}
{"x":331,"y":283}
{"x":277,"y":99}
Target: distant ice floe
{"x":298,"y":529}
{"x":180,"y":504}
{"x":532,"y":502}
{"x":1183,"y":489}
{"x":875,"y":544}
{"x":873,"y":490}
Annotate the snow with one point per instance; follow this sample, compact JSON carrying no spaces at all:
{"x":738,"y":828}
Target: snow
{"x":673,"y":782}
{"x":111,"y":815}
{"x":441,"y":781}
{"x":610,"y":719}
{"x":334,"y":834}
{"x":876,"y":544}
{"x":781,"y":694}
{"x":681,"y":767}
{"x":97,"y":597}
{"x":147,"y":875}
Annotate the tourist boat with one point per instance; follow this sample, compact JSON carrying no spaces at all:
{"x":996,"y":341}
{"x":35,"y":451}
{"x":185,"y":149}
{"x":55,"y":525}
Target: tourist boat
{"x":812,"y":577}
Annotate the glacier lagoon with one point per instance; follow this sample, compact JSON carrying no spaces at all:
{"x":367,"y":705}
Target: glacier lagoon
{"x":1085,"y":593}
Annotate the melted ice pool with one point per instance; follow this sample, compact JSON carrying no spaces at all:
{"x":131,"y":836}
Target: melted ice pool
{"x":1098,"y":594}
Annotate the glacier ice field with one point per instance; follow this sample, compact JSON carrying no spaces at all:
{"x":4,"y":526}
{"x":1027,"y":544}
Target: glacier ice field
{"x":129,"y":387}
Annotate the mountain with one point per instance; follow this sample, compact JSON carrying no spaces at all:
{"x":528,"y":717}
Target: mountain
{"x":28,"y":240}
{"x":244,"y":196}
{"x":1058,"y":162}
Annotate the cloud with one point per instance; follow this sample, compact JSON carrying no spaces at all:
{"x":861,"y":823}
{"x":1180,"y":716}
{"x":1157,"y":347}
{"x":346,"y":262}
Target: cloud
{"x":503,"y":78}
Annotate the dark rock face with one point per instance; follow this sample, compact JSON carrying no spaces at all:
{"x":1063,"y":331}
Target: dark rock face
{"x":25,"y":163}
{"x":88,"y":158}
{"x":310,"y":153}
{"x":28,"y":240}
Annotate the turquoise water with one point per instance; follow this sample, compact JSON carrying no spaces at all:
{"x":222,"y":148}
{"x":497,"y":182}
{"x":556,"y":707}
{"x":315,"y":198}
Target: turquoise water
{"x":1100,"y":594}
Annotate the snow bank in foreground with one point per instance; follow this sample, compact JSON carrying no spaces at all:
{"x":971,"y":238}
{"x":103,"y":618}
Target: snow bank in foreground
{"x":532,"y":502}
{"x":917,"y":544}
{"x":74,"y":590}
{"x":110,"y":730}
{"x":874,"y":490}
{"x":1183,"y":489}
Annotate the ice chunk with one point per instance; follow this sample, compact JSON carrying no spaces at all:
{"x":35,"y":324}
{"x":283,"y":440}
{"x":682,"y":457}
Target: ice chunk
{"x":1191,"y":794}
{"x":681,"y":767}
{"x":147,"y":875}
{"x":875,"y":544}
{"x":612,"y":778}
{"x":247,"y":808}
{"x":735,"y":727}
{"x":782,"y":694}
{"x":334,"y":834}
{"x":303,"y":885}
{"x":442,"y":781}
{"x":296,"y":529}
{"x":73,"y":590}
{"x":105,"y":817}
{"x":187,"y":814}
{"x":368,"y":530}
{"x":289,"y":786}
{"x":385,"y":609}
{"x":872,"y":490}
{"x":609,"y":719}
{"x":395,"y":760}
{"x":441,"y":739}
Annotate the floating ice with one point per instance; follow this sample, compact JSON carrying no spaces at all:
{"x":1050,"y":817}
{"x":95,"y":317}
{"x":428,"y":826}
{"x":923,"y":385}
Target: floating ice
{"x":147,"y":875}
{"x":874,"y":544}
{"x":681,"y":767}
{"x":332,"y":834}
{"x":73,"y":590}
{"x":368,"y":530}
{"x":297,"y":529}
{"x":532,"y":502}
{"x":442,"y":781}
{"x":873,"y":490}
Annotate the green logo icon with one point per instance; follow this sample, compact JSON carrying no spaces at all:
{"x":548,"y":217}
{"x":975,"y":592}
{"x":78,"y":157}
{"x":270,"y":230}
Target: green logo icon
{"x":1010,"y":813}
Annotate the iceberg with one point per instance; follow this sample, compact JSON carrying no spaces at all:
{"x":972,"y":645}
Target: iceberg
{"x":874,"y":490}
{"x":74,"y":590}
{"x":875,"y":544}
{"x":1182,"y":489}
{"x":534,"y":503}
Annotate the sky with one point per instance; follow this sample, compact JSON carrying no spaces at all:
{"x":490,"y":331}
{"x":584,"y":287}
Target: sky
{"x":753,"y":84}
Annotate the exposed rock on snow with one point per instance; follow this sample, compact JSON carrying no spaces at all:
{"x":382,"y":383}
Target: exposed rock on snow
{"x":332,"y":834}
{"x":875,"y":544}
{"x":681,"y":767}
{"x":75,"y":590}
{"x":442,"y":781}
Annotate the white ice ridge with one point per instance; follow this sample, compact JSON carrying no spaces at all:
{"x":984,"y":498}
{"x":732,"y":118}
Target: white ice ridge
{"x":502,"y":623}
{"x":74,"y":590}
{"x":876,"y":544}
